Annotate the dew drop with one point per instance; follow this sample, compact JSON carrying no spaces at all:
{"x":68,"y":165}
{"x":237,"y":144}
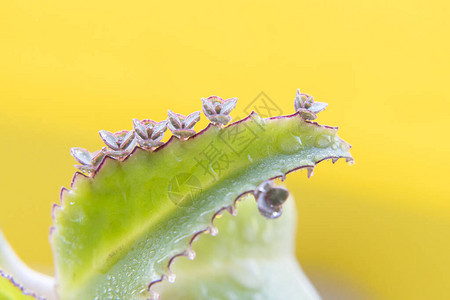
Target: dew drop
{"x":322,"y":141}
{"x":269,"y":212}
{"x":154,"y":296}
{"x":171,"y":277}
{"x":276,"y":196}
{"x":270,"y":199}
{"x":212,"y":230}
{"x":291,"y":145}
{"x":190,"y":253}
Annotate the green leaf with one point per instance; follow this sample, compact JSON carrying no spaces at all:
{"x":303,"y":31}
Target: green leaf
{"x":15,"y":276}
{"x":250,"y":258}
{"x":10,"y":290}
{"x":115,"y":233}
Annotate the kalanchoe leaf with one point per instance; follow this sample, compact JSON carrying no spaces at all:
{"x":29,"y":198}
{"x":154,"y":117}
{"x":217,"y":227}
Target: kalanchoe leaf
{"x":302,"y":100}
{"x":183,"y":133}
{"x":217,"y":110}
{"x":83,"y":156}
{"x":149,"y":133}
{"x":18,"y":280}
{"x":140,"y":129}
{"x":98,"y":156}
{"x":306,"y":114}
{"x":10,"y":289}
{"x":171,"y":127}
{"x":220,"y":119}
{"x":86,"y":168}
{"x":307,"y":107}
{"x":191,"y":120}
{"x":109,"y":139}
{"x":175,"y":122}
{"x":228,"y":106}
{"x":127,"y":223}
{"x":264,"y":267}
{"x":208,"y":107}
{"x":89,"y":161}
{"x":317,"y":107}
{"x":124,"y":138}
{"x":121,"y":142}
{"x":182,"y":126}
{"x":158,"y":130}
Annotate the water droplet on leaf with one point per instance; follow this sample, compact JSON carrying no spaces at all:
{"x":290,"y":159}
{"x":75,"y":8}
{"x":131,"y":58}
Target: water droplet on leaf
{"x":171,"y":277}
{"x":270,"y":199}
{"x":323,"y":141}
{"x":212,"y":230}
{"x":190,"y":253}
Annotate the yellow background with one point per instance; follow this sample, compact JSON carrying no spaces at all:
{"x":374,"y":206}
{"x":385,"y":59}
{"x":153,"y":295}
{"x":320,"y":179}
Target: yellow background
{"x":376,"y":230}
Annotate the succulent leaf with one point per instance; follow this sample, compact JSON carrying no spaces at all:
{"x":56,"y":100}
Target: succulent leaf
{"x":217,"y":110}
{"x":228,"y":105}
{"x":158,"y":130}
{"x":89,"y":161}
{"x":306,"y":114}
{"x":117,"y":232}
{"x":81,"y":155}
{"x":174,"y":120}
{"x":140,"y":129}
{"x":191,"y":120}
{"x":11,"y":290}
{"x":317,"y":107}
{"x":126,"y":139}
{"x":307,"y":107}
{"x":208,"y":107}
{"x":18,"y":281}
{"x":109,"y":139}
{"x":256,"y":259}
{"x":149,"y":133}
{"x":182,"y":126}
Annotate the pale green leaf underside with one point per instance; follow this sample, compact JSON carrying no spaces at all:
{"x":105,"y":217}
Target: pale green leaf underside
{"x":9,"y":291}
{"x":252,"y":258}
{"x":116,"y":233}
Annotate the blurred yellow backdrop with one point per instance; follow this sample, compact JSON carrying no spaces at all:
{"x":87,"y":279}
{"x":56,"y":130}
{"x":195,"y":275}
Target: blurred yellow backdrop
{"x":379,"y":229}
